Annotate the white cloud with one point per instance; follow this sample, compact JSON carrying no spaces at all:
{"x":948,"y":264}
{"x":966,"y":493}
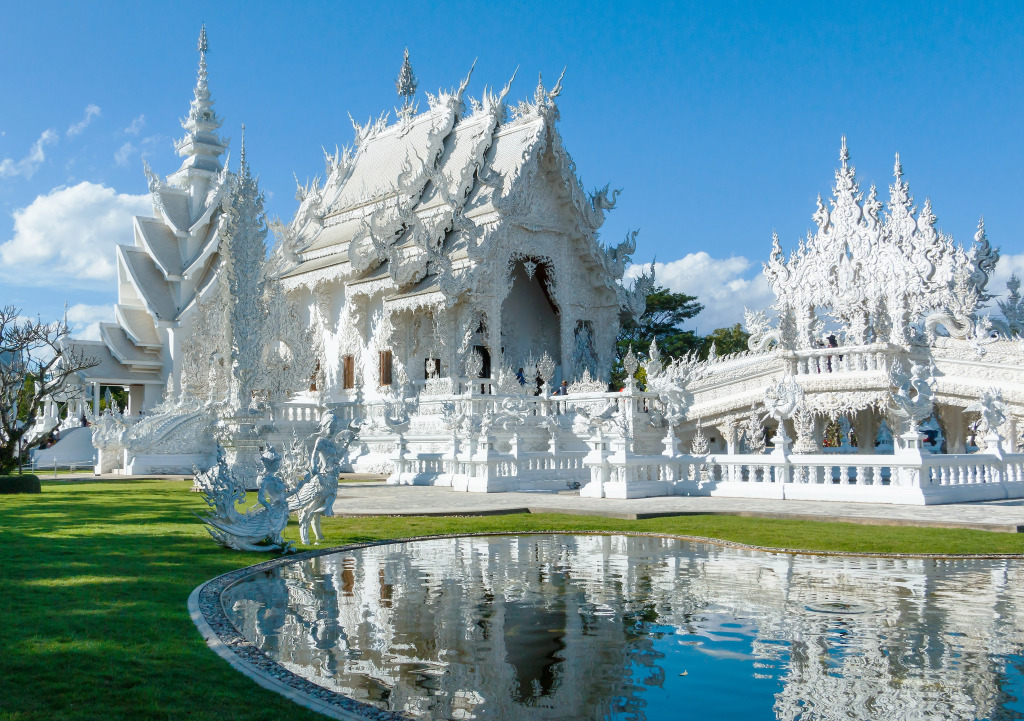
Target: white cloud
{"x":28,"y":165}
{"x":91,"y":111}
{"x":124,"y":154}
{"x":136,"y":126}
{"x":67,"y":237}
{"x":85,"y":320}
{"x":723,"y":285}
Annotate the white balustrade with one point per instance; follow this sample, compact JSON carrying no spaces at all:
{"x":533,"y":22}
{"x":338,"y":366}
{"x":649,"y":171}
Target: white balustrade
{"x":869,"y":358}
{"x":871,"y":478}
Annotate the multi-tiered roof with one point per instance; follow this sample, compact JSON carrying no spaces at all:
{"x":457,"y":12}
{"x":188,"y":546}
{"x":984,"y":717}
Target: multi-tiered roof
{"x":173,"y":260}
{"x":412,"y":209}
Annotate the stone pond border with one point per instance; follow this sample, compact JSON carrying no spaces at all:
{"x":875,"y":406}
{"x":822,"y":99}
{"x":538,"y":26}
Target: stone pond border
{"x":207,"y":612}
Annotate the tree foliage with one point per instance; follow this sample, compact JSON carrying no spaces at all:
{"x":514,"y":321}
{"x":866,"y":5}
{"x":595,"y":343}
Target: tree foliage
{"x":663,"y":322}
{"x":34,"y":364}
{"x":725,"y":340}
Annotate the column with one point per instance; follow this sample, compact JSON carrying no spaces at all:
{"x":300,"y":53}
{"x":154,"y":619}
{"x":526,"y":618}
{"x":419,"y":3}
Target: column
{"x":135,"y":399}
{"x":866,"y":427}
{"x":951,"y":420}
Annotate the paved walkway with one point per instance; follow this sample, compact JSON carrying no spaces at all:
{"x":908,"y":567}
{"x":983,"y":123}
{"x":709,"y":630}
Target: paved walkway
{"x":377,"y":498}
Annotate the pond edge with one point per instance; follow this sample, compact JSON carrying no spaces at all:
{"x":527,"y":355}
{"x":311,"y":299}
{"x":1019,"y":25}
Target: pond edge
{"x":221,"y":636}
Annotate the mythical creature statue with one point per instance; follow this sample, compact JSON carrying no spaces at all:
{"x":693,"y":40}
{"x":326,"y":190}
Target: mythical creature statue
{"x":993,"y":411}
{"x":634,"y":300}
{"x":781,"y":402}
{"x":912,"y":395}
{"x":260,"y":527}
{"x":315,"y":495}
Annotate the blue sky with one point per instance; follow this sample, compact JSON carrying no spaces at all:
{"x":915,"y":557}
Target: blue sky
{"x":721,"y":121}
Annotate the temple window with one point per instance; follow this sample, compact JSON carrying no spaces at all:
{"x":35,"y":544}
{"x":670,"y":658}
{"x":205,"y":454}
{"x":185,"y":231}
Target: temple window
{"x":348,"y":372}
{"x":485,"y":355}
{"x":385,"y":368}
{"x":432,"y":368}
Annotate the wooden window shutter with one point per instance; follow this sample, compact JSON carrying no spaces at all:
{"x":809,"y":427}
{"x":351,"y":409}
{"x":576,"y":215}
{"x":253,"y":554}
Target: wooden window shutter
{"x":348,"y":372}
{"x":385,"y":367}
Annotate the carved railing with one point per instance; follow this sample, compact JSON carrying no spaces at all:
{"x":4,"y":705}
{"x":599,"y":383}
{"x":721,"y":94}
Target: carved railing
{"x":869,"y":358}
{"x":897,"y":478}
{"x":481,"y":468}
{"x":297,"y":412}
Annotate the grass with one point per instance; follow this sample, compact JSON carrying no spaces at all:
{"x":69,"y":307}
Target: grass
{"x":95,"y":576}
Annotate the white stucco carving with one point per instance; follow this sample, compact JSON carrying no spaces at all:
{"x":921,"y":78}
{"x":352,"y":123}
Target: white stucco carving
{"x":455,"y":245}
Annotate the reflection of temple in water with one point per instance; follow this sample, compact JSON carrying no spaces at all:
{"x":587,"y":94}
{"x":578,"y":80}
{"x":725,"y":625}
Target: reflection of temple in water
{"x":578,"y":626}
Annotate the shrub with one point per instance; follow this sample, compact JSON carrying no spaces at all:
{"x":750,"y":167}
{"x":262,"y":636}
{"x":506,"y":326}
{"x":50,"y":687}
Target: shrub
{"x":19,"y":484}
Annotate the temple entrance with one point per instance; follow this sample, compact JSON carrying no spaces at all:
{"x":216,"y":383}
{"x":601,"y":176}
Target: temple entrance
{"x":530,"y":319}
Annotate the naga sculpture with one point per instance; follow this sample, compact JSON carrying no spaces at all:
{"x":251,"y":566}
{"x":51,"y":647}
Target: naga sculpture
{"x":315,"y":495}
{"x":261,"y":527}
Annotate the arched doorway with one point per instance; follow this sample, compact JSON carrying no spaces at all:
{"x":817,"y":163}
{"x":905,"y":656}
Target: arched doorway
{"x":530,"y":317}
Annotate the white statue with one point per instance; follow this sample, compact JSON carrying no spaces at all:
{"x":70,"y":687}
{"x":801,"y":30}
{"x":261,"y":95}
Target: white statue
{"x":912,"y":395}
{"x":261,"y":527}
{"x":315,"y":496}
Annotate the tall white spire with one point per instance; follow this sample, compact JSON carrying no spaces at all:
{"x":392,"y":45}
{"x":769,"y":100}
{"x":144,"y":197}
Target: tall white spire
{"x":201,"y":146}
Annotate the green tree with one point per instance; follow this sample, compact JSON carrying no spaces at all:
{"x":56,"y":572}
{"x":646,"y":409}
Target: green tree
{"x":662,"y":321}
{"x":732,"y":339}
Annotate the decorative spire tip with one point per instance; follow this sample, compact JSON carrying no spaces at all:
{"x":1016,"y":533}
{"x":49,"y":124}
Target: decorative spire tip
{"x":406,"y":82}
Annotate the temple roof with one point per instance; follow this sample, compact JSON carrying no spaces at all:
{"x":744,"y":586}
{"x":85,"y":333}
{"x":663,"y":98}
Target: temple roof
{"x":162,"y":244}
{"x":125,"y":351}
{"x":138,"y":325}
{"x":110,"y":370}
{"x":148,"y":282}
{"x":425,"y":183}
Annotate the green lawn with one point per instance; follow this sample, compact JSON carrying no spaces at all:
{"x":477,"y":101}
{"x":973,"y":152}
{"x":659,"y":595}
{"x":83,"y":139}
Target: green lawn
{"x":95,"y":576}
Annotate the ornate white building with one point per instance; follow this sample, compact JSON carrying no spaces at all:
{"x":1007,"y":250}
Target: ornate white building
{"x":172,"y":264}
{"x":448,"y":245}
{"x":455,"y":246}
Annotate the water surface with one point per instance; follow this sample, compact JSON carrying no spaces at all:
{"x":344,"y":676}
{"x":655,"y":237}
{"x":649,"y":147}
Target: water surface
{"x":636,"y":627}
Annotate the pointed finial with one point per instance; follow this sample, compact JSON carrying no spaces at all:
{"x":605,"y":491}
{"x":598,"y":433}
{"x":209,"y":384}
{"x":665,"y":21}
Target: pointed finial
{"x":405,"y":84}
{"x":242,"y":151}
{"x":202,"y":91}
{"x":898,"y":169}
{"x":465,"y":83}
{"x":844,"y":154}
{"x":508,"y":85}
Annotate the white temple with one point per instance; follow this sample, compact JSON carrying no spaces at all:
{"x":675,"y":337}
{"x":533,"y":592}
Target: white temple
{"x":454,"y":246}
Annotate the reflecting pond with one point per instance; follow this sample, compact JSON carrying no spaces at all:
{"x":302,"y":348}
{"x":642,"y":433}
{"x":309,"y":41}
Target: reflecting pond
{"x":640,"y":627}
